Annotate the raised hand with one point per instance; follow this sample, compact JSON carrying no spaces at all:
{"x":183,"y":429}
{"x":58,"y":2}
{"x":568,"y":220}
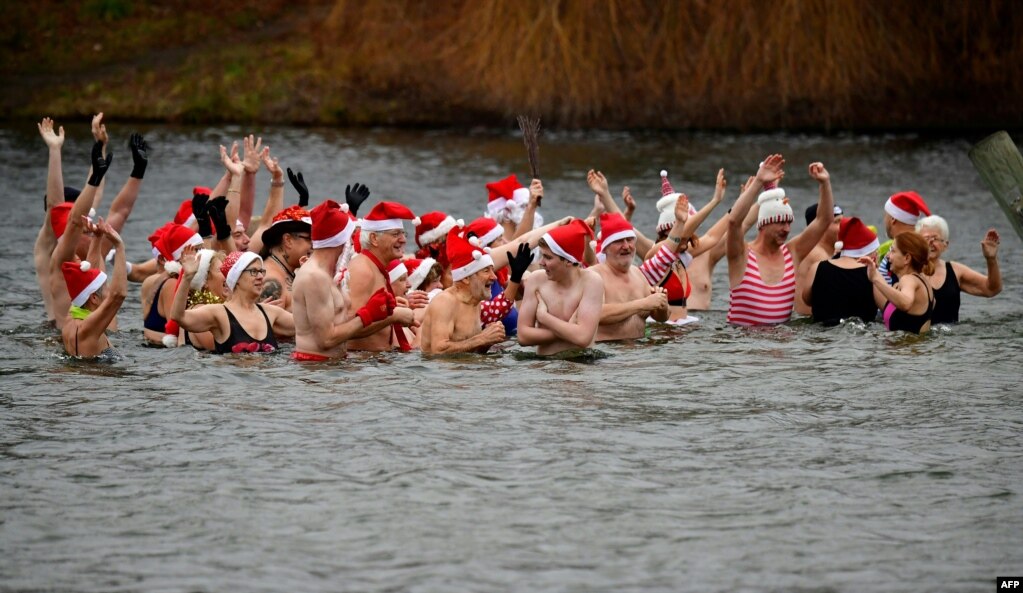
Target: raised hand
{"x":103,"y":227}
{"x":99,"y":129}
{"x":233,"y":166}
{"x":743,"y":187}
{"x":598,"y":206}
{"x":298,"y":182}
{"x":52,"y":140}
{"x":535,"y":192}
{"x":630,"y":203}
{"x":597,"y":182}
{"x":217,"y":211}
{"x":100,"y":165}
{"x":139,"y":155}
{"x":355,"y":195}
{"x":989,"y":246}
{"x":202,"y":217}
{"x":250,"y":152}
{"x":519,"y":262}
{"x":271,"y":164}
{"x":719,"y":185}
{"x":818,"y":172}
{"x":682,"y":209}
{"x":189,"y":261}
{"x":771,"y":169}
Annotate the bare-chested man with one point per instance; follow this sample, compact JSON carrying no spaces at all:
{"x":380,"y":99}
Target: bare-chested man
{"x":323,"y":325}
{"x":628,"y":297}
{"x":452,"y":322}
{"x":383,"y":239}
{"x":561,"y":307}
{"x":762,"y":274}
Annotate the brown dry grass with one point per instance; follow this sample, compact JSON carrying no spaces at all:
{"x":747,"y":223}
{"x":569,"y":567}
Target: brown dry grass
{"x":690,"y":63}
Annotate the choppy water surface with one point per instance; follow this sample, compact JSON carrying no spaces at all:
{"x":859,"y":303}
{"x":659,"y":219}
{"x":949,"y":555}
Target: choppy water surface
{"x":704,"y":458}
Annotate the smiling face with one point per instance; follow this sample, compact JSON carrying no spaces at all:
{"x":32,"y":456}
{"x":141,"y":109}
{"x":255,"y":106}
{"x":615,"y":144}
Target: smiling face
{"x":251,"y":279}
{"x":481,"y":282}
{"x":620,"y":253}
{"x":389,"y":245}
{"x":936,"y":244}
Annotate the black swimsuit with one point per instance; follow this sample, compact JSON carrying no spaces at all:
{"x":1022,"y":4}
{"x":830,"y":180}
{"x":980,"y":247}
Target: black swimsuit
{"x":154,"y":321}
{"x":896,"y":319}
{"x":239,"y":340}
{"x":946,"y":307}
{"x":842,"y":293}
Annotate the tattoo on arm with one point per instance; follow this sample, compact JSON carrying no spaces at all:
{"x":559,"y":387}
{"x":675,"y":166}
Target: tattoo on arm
{"x":271,"y":290}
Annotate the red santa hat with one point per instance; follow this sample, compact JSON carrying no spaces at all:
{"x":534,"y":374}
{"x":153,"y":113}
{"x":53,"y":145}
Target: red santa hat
{"x":170,"y":241}
{"x":666,"y":204}
{"x":387,"y":216}
{"x":907,"y":207}
{"x":855,"y":239}
{"x":434,"y":226}
{"x":59,"y":215}
{"x":466,"y":257}
{"x":81,"y":281}
{"x":503,"y":191}
{"x":486,"y":229}
{"x":332,"y":226}
{"x":569,"y":241}
{"x":395,"y":270}
{"x":418,"y":270}
{"x":234,"y":264}
{"x":613,"y":227}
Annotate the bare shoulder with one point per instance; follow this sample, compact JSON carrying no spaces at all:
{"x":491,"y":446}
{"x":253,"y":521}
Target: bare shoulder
{"x":592,"y":279}
{"x":533,"y":280}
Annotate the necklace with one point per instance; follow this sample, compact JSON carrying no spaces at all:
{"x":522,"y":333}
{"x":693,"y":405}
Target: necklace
{"x":291,"y":275}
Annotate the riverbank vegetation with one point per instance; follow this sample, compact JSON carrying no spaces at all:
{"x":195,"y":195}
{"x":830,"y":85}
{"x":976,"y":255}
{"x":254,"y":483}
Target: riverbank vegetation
{"x":728,"y":64}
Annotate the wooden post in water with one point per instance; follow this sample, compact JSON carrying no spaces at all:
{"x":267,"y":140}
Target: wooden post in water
{"x":1000,"y":165}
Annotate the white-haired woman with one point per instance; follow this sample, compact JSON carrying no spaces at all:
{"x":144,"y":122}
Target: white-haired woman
{"x":951,"y":277}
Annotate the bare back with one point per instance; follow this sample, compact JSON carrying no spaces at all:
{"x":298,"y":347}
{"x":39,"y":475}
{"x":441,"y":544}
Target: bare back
{"x":309,"y":284}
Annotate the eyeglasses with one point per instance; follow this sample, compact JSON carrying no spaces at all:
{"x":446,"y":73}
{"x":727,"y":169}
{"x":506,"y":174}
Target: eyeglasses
{"x":934,"y":239}
{"x":255,"y":272}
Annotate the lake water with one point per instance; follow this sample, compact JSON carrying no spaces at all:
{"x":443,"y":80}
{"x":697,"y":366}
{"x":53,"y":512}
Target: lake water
{"x":703,"y":458}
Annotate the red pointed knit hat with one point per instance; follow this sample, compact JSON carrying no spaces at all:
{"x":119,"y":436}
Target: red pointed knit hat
{"x":387,"y":216}
{"x":81,"y":280}
{"x":396,"y":269}
{"x":171,"y":239}
{"x":434,"y":226}
{"x":907,"y":207}
{"x":332,"y":226}
{"x":569,"y":241}
{"x":485,"y":228}
{"x":58,"y":217}
{"x":503,"y":191}
{"x":856,"y":238}
{"x":465,"y":257}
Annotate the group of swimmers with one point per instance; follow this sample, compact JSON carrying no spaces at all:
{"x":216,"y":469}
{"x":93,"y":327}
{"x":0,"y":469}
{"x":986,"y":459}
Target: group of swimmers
{"x":224,"y":281}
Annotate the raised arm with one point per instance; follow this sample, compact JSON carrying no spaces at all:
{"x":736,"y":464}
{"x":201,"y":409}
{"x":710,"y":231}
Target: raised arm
{"x":902,"y":297}
{"x":65,"y":250}
{"x":770,"y":171}
{"x":123,"y":204}
{"x":274,"y":202}
{"x":251,"y":149}
{"x":199,"y":319}
{"x":117,"y":290}
{"x":235,"y":167}
{"x":975,"y":283}
{"x":804,"y":242}
{"x":501,"y":254}
{"x":535,"y":195}
{"x":54,"y":172}
{"x":598,"y":183}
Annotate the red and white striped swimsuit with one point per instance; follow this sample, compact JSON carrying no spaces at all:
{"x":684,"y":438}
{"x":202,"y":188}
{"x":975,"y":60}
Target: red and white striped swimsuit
{"x":755,"y":303}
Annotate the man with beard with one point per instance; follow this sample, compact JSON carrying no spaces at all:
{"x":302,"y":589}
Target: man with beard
{"x":762,"y":274}
{"x":628,"y":297}
{"x":452,"y":322}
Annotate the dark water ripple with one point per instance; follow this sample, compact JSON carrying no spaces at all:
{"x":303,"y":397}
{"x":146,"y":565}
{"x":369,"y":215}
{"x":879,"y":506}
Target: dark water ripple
{"x":702,"y":458}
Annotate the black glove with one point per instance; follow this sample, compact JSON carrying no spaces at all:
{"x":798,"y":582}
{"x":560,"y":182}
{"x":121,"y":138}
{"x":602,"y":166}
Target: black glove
{"x":139,"y":155}
{"x":202,"y":216}
{"x":299,"y":182}
{"x":519,"y":262}
{"x":217,"y":210}
{"x":355,"y":195}
{"x":99,"y":164}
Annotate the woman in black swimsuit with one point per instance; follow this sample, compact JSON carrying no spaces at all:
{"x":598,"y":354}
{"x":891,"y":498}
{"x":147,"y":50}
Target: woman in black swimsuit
{"x":241,"y":324}
{"x":951,"y":277}
{"x":908,"y":305}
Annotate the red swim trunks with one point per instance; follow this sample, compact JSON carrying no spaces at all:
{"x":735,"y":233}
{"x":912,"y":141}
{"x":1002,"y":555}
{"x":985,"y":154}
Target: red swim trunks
{"x":307,"y":357}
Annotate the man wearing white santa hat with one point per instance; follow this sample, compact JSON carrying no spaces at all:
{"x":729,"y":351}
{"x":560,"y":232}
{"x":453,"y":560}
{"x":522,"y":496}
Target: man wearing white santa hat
{"x":561,"y":307}
{"x":382,"y":237}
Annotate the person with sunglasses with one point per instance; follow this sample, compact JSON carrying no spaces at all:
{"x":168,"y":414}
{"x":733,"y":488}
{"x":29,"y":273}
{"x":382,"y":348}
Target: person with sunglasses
{"x":951,"y":277}
{"x":242,"y":324}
